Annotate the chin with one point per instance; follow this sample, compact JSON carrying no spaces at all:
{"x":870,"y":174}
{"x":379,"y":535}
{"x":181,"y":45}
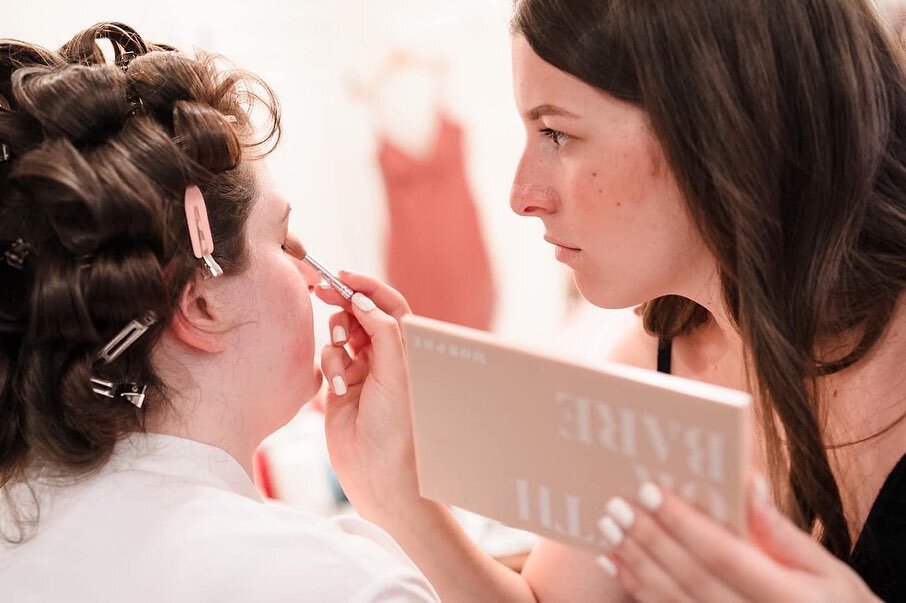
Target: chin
{"x":598,"y":293}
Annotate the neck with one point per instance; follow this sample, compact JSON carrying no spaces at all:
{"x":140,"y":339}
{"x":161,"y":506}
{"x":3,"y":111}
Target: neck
{"x":204,"y":402}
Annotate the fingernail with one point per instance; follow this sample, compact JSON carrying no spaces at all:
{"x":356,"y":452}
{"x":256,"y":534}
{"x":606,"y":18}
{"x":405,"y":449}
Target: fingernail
{"x":606,"y":564}
{"x":339,"y":334}
{"x":621,"y":512}
{"x":363,"y":303}
{"x":339,"y":385}
{"x":325,"y":286}
{"x":611,"y":531}
{"x":650,"y":496}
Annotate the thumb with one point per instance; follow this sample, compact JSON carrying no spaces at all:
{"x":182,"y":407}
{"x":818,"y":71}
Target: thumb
{"x":779,"y":537}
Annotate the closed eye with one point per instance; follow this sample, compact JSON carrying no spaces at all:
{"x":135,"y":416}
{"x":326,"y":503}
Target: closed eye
{"x":293,"y":246}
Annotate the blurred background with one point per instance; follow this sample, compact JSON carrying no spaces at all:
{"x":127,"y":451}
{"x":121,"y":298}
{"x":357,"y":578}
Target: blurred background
{"x":400,"y":140}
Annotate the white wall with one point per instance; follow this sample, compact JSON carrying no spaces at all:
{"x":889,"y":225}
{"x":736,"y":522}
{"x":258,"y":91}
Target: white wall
{"x":309,"y":51}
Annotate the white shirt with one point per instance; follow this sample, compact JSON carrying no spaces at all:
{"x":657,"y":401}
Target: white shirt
{"x":170,"y":519}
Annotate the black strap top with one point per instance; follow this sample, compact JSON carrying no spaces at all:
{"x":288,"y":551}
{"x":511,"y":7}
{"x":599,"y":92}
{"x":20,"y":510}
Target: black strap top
{"x":879,"y":556}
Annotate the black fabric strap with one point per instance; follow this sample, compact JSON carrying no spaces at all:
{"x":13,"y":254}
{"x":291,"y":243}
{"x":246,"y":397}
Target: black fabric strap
{"x":664,"y":355}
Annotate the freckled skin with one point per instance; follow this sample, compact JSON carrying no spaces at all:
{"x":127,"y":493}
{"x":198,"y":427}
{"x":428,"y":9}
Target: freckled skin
{"x":647,"y":249}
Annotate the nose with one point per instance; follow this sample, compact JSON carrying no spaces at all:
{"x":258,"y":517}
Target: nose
{"x":532,"y":194}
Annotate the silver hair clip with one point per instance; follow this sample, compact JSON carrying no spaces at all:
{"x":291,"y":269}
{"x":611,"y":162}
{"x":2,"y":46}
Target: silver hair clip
{"x":126,"y":338}
{"x":124,"y":60}
{"x":133,"y":392}
{"x":214,"y":269}
{"x":17,"y":253}
{"x":4,"y":153}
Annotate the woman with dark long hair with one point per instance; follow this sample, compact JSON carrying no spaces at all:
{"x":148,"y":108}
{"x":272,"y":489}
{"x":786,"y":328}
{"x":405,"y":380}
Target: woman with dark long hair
{"x":155,"y":327}
{"x":736,"y":168}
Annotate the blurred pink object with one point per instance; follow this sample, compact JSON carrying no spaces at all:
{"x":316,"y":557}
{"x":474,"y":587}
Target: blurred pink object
{"x":436,"y":252}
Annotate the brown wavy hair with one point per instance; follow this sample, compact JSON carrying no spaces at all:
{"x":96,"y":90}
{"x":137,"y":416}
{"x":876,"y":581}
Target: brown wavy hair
{"x":101,"y":151}
{"x":784,"y":122}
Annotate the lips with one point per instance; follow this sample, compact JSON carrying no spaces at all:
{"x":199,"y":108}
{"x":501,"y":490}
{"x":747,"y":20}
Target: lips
{"x":557,"y":243}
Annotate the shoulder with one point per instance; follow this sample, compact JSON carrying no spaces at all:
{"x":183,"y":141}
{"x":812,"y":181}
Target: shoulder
{"x":260,"y":551}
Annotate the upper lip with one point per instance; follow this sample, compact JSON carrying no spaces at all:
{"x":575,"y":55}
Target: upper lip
{"x":554,"y":241}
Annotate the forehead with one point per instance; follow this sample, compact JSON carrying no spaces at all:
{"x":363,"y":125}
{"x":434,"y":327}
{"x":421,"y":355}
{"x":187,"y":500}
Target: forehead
{"x":270,"y":205}
{"x":537,"y":82}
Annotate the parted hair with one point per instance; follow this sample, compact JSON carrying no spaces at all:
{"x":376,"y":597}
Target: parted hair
{"x":103,"y":136}
{"x":784,"y":123}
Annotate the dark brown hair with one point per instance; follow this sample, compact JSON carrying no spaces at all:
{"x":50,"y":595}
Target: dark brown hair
{"x":100,"y":155}
{"x":784,"y":122}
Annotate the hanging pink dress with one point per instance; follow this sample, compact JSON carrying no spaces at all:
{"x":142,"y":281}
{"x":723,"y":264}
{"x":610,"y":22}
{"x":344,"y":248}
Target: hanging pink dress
{"x":436,"y":253}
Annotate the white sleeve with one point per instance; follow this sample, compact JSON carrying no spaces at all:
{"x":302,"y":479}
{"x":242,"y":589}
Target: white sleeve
{"x":288,"y":557}
{"x":408,"y":589}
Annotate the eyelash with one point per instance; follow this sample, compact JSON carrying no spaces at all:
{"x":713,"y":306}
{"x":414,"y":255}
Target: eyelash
{"x":291,"y":245}
{"x":555,"y":136}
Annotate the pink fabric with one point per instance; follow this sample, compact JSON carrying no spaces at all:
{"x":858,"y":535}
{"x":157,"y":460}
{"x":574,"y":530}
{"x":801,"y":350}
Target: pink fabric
{"x":436,"y":254}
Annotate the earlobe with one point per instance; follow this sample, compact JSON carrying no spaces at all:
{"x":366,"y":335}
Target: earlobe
{"x":194,"y":324}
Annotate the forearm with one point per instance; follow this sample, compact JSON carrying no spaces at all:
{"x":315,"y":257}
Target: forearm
{"x":452,"y":562}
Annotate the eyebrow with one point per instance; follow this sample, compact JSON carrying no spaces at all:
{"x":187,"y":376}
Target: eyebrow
{"x":542,"y":110}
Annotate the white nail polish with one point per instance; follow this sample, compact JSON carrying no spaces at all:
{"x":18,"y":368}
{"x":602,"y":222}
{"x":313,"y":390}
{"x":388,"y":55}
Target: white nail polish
{"x":339,"y":334}
{"x":621,"y":512}
{"x":339,"y":385}
{"x":611,"y":531}
{"x":650,"y":496}
{"x":606,"y":564}
{"x":363,"y":303}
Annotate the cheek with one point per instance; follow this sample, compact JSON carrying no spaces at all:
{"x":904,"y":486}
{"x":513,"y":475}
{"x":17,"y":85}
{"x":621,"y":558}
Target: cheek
{"x":288,"y":308}
{"x":298,"y":319}
{"x":633,"y":225}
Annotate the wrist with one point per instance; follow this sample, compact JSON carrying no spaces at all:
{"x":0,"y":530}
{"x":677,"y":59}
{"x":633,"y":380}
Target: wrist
{"x":410,"y":516}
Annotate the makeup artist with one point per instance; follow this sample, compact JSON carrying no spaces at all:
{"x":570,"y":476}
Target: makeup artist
{"x":735,"y":168}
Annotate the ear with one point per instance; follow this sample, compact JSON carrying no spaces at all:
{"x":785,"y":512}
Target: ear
{"x":195,"y":321}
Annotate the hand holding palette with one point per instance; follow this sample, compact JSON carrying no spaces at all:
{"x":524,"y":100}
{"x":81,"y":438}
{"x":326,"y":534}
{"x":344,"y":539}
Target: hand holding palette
{"x":543,"y":444}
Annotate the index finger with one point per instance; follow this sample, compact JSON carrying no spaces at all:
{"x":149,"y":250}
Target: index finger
{"x":740,"y":565}
{"x":331,"y":296}
{"x":386,"y":297}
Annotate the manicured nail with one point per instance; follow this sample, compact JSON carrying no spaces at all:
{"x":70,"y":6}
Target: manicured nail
{"x":339,"y":385}
{"x":611,"y":531}
{"x":606,"y":564}
{"x":339,"y":334}
{"x":650,"y":496}
{"x":363,"y":303}
{"x":621,"y":512}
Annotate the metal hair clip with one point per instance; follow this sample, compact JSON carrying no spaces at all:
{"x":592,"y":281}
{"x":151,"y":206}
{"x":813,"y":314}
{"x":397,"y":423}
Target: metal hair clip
{"x":214,"y":269}
{"x":4,"y":153}
{"x":17,"y":253}
{"x":124,"y":59}
{"x":200,"y":230}
{"x":126,"y":338}
{"x":133,"y":392}
{"x":136,"y":105}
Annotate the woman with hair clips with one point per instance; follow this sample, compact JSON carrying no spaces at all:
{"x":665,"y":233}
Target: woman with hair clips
{"x":155,"y":327}
{"x":738,"y":169}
